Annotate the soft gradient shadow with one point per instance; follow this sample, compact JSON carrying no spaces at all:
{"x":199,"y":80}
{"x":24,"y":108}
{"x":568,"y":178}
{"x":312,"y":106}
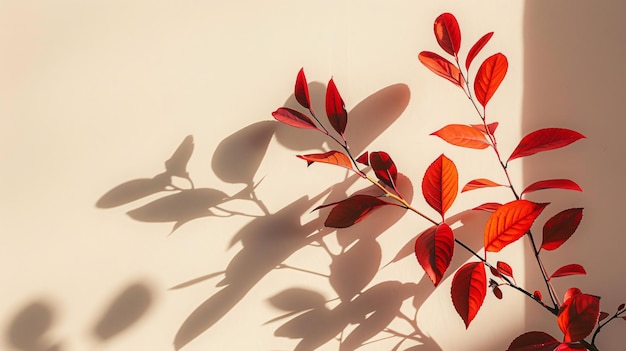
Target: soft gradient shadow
{"x":29,"y":328}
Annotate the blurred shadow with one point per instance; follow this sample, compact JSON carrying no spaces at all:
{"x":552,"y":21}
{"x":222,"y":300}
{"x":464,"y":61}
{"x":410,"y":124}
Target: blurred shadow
{"x":27,"y":331}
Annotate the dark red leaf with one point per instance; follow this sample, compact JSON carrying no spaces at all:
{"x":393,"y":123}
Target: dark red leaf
{"x":441,"y":67}
{"x":293,"y":118}
{"x":534,"y":341}
{"x":537,"y":295}
{"x":570,"y":269}
{"x":448,"y":33}
{"x":552,"y":184}
{"x":471,"y":55}
{"x":621,"y":307}
{"x":302,"y":90}
{"x":440,"y":184}
{"x":560,"y":228}
{"x":495,"y":272}
{"x":603,"y":316}
{"x":434,"y":249}
{"x":332,"y":157}
{"x":510,"y":222}
{"x":479,"y":183}
{"x":384,"y":168}
{"x":335,"y":108}
{"x":469,"y":288}
{"x":463,"y":135}
{"x":489,"y":76}
{"x":497,"y":292}
{"x":505,"y":269}
{"x":544,"y":140}
{"x":364,"y":159}
{"x":489,"y":207}
{"x":571,"y":292}
{"x":578,"y":316}
{"x":491,"y":127}
{"x":352,"y":210}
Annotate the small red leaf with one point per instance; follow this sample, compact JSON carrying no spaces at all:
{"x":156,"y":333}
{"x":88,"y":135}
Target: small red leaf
{"x":495,"y":272}
{"x":537,"y":295}
{"x":293,"y":118}
{"x":570,"y":269}
{"x":352,"y":210}
{"x":505,"y":269}
{"x":469,"y":288}
{"x":471,"y":55}
{"x":552,"y":184}
{"x":434,"y":249}
{"x":544,"y":140}
{"x":441,"y":67}
{"x":570,"y":347}
{"x":560,"y":228}
{"x":463,"y":135}
{"x":332,"y":157}
{"x":488,"y":207}
{"x":479,"y":183}
{"x":302,"y":90}
{"x":384,"y":168}
{"x":364,"y":159}
{"x":578,"y":316}
{"x":489,"y":76}
{"x":491,"y":127}
{"x":335,"y":108}
{"x":621,"y":307}
{"x":448,"y":33}
{"x":510,"y":222}
{"x":440,"y":184}
{"x":603,"y":316}
{"x":534,"y":341}
{"x":497,"y":292}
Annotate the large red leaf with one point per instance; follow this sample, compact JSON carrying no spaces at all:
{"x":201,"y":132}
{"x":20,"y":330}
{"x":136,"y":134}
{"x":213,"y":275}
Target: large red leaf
{"x":552,"y":184}
{"x":441,"y":67}
{"x":434,"y":249}
{"x":301,"y":90}
{"x":560,"y":228}
{"x":479,"y":45}
{"x":578,"y":316}
{"x":332,"y":157}
{"x":383,"y":167}
{"x":544,"y":140}
{"x":510,"y":222}
{"x":570,"y":269}
{"x":440,"y":184}
{"x":293,"y":118}
{"x":448,"y":33}
{"x":479,"y":183}
{"x":335,"y":108}
{"x":534,"y":341}
{"x":489,"y":76}
{"x":352,"y":210}
{"x":463,"y":135}
{"x":491,"y":127}
{"x":469,"y":288}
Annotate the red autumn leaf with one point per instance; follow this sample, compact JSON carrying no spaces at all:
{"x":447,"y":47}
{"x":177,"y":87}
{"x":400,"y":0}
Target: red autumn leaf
{"x":364,"y":159}
{"x":293,"y":118}
{"x":384,"y":168}
{"x":603,"y":316}
{"x":621,"y":307}
{"x":570,"y":347}
{"x":352,"y":210}
{"x":510,"y":222}
{"x":335,"y":108}
{"x":489,"y":76}
{"x":462,"y":135}
{"x":434,"y":249}
{"x":578,"y":316}
{"x":505,"y":269}
{"x":560,"y":228}
{"x":544,"y":140}
{"x":491,"y":127}
{"x":302,"y":90}
{"x":440,"y":184}
{"x":441,"y":67}
{"x":471,"y":55}
{"x":479,"y":183}
{"x":469,"y":288}
{"x":533,"y":341}
{"x":497,"y":292}
{"x":488,"y":206}
{"x":332,"y":157}
{"x":537,"y":295}
{"x":552,"y":184}
{"x":571,"y":292}
{"x":448,"y":33}
{"x":570,"y":269}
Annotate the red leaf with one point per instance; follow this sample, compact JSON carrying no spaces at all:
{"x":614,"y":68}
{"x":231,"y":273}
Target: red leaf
{"x":434,"y":249}
{"x":570,"y":347}
{"x":469,"y":288}
{"x":352,"y":210}
{"x":471,"y":55}
{"x":571,"y":292}
{"x":505,"y":269}
{"x":491,"y":127}
{"x":302,"y":90}
{"x":488,"y":206}
{"x":479,"y":183}
{"x":578,"y":316}
{"x":510,"y":222}
{"x":293,"y":118}
{"x":497,"y":292}
{"x":621,"y":307}
{"x":440,"y":184}
{"x":335,"y":108}
{"x":489,"y":76}
{"x":533,"y":341}
{"x":537,"y":295}
{"x":462,"y":135}
{"x":384,"y":168}
{"x":364,"y":159}
{"x":448,"y":33}
{"x":570,"y":269}
{"x":544,"y":140}
{"x":552,"y":184}
{"x":332,"y":157}
{"x":441,"y":67}
{"x":603,"y":316}
{"x":560,"y":228}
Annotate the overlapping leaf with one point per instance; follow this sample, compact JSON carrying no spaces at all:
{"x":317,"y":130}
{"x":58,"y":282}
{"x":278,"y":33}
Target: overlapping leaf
{"x":336,"y":109}
{"x":491,"y":127}
{"x":293,"y":118}
{"x":469,"y":288}
{"x":441,"y":67}
{"x":565,"y":184}
{"x":559,"y":228}
{"x":479,"y":45}
{"x":434,"y":249}
{"x":352,"y":210}
{"x":570,"y":269}
{"x":448,"y":33}
{"x":333,"y":157}
{"x":463,"y":135}
{"x":440,"y":184}
{"x":479,"y":183}
{"x":578,"y":316}
{"x":489,"y":76}
{"x":301,"y":90}
{"x":534,"y":341}
{"x":544,"y":140}
{"x":510,"y":222}
{"x":383,"y":167}
{"x":488,"y":207}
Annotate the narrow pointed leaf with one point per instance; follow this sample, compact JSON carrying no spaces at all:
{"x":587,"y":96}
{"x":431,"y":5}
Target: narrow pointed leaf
{"x":332,"y":157}
{"x":544,"y":140}
{"x":578,"y":316}
{"x":440,"y":184}
{"x":510,"y":222}
{"x":552,"y":184}
{"x":570,"y":269}
{"x":479,"y":45}
{"x":441,"y":67}
{"x":463,"y":135}
{"x":491,"y":127}
{"x":434,"y":249}
{"x":469,"y":288}
{"x":488,"y":207}
{"x":560,"y":228}
{"x":335,"y":108}
{"x":448,"y":33}
{"x":352,"y":210}
{"x":384,"y":168}
{"x":293,"y":118}
{"x":534,"y":341}
{"x":479,"y":183}
{"x":505,"y":269}
{"x":364,"y":159}
{"x":301,"y":90}
{"x":603,"y":316}
{"x":489,"y":76}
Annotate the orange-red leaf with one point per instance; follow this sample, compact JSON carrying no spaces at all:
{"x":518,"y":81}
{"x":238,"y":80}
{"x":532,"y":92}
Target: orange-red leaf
{"x":560,"y":228}
{"x":293,"y":118}
{"x":552,"y":184}
{"x":332,"y":157}
{"x":479,"y":183}
{"x":544,"y":140}
{"x":570,"y":269}
{"x":462,"y":135}
{"x":491,"y":127}
{"x":434,"y":249}
{"x":578,"y":316}
{"x":489,"y":76}
{"x":301,"y":90}
{"x":505,"y":269}
{"x":383,"y":167}
{"x":510,"y":222}
{"x":488,"y":207}
{"x":352,"y":210}
{"x":534,"y":341}
{"x":441,"y":67}
{"x":440,"y":184}
{"x":469,"y":288}
{"x":448,"y":33}
{"x":471,"y":55}
{"x":335,"y":108}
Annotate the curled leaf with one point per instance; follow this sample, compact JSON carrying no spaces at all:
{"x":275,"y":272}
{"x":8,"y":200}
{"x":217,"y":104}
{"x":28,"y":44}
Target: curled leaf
{"x":560,"y":228}
{"x":333,"y":157}
{"x":335,"y":108}
{"x":469,"y":288}
{"x":434,"y":249}
{"x":510,"y":222}
{"x":544,"y":140}
{"x":441,"y":67}
{"x":293,"y":118}
{"x":489,"y":76}
{"x":578,"y":316}
{"x":448,"y":33}
{"x":463,"y":135}
{"x":479,"y":45}
{"x":352,"y":210}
